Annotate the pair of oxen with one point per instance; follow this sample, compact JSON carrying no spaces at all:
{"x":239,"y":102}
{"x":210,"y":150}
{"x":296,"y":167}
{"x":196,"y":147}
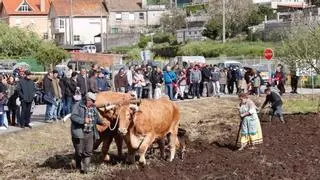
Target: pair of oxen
{"x":138,"y":122}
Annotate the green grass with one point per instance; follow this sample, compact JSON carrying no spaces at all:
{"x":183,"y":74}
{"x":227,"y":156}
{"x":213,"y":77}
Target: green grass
{"x":233,"y":48}
{"x":301,"y":105}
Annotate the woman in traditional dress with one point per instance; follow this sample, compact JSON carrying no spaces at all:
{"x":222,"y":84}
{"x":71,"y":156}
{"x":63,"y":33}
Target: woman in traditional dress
{"x":250,"y":129}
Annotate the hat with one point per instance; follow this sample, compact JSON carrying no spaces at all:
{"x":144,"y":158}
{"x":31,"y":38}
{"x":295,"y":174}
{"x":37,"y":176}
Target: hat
{"x":27,"y":73}
{"x":91,"y":96}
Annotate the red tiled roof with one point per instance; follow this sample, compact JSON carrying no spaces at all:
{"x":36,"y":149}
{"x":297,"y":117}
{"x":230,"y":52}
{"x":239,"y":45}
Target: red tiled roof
{"x":79,"y":7}
{"x":11,"y":7}
{"x":123,"y":5}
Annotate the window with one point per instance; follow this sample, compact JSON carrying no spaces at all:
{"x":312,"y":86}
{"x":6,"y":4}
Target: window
{"x":76,"y":38}
{"x":190,"y":33}
{"x":141,"y":16}
{"x":17,"y":22}
{"x":118,"y":16}
{"x":196,"y":32}
{"x":61,"y":24}
{"x":45,"y":36}
{"x":24,"y":7}
{"x":131,"y":16}
{"x":114,"y":30}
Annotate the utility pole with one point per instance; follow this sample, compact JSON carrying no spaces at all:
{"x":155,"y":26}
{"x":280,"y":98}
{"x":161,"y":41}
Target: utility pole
{"x":224,"y":21}
{"x":71,"y":22}
{"x":101,"y":34}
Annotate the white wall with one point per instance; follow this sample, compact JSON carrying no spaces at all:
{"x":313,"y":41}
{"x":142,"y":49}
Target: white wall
{"x":85,"y":27}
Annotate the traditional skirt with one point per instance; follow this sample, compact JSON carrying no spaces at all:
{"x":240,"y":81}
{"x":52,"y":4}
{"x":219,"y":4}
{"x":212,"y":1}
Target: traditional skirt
{"x":250,"y":131}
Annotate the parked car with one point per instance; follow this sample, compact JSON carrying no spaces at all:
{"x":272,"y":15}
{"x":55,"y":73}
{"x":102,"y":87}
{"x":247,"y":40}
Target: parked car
{"x":89,"y":49}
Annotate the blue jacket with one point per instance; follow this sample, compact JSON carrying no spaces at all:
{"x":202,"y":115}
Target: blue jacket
{"x":169,"y":77}
{"x":103,"y":84}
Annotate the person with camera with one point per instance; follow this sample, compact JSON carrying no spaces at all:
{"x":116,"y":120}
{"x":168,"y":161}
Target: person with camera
{"x":84,"y":118}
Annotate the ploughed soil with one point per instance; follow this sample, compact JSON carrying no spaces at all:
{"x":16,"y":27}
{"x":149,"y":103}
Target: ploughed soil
{"x":290,"y":151}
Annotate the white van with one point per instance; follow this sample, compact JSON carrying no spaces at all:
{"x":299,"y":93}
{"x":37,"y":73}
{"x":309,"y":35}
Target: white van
{"x":190,"y":59}
{"x":227,"y":64}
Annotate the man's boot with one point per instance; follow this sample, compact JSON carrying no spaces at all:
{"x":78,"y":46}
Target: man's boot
{"x":282,"y":119}
{"x":85,"y":165}
{"x":270,"y":118}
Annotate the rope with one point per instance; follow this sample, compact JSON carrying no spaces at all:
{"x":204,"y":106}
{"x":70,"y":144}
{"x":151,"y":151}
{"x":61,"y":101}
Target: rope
{"x":115,"y":126}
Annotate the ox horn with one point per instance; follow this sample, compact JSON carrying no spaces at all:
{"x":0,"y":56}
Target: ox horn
{"x":137,"y":101}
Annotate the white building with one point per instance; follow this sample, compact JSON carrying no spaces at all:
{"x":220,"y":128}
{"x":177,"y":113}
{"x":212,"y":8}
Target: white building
{"x":275,"y":4}
{"x":88,"y":19}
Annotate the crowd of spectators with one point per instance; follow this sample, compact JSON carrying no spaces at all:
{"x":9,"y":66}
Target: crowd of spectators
{"x":60,"y":90}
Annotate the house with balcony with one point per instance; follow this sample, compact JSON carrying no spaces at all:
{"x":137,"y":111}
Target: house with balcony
{"x":77,"y":22}
{"x":31,"y":15}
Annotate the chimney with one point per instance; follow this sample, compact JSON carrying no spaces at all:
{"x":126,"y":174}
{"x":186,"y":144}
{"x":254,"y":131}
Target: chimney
{"x":43,"y":5}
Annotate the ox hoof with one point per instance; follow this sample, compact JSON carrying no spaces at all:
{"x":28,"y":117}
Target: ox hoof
{"x":142,"y":162}
{"x":106,"y":158}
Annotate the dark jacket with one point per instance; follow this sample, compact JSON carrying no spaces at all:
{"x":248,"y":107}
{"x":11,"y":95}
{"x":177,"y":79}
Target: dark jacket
{"x":93,"y":85}
{"x":47,"y":86}
{"x":206,"y":74}
{"x":83,"y":84}
{"x":120,"y":81}
{"x":72,"y":86}
{"x":77,"y":121}
{"x":274,"y":99}
{"x":26,"y":89}
{"x":155,"y":79}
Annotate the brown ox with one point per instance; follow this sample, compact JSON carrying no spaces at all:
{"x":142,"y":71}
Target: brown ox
{"x":143,"y":123}
{"x":109,"y":132}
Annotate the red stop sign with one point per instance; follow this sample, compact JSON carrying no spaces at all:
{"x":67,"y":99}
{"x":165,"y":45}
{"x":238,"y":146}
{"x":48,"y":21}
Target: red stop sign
{"x":268,"y":54}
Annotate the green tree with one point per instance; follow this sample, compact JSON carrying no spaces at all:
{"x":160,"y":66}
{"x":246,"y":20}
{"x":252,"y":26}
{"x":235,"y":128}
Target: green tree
{"x":213,"y":29}
{"x":301,"y":48}
{"x":134,"y":54}
{"x":49,"y":54}
{"x":258,"y":14}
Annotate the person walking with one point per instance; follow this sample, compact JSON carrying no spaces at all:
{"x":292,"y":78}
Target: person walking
{"x":26,"y":89}
{"x":169,"y":78}
{"x":250,"y":132}
{"x":276,"y":104}
{"x":195,"y":79}
{"x":84,"y":118}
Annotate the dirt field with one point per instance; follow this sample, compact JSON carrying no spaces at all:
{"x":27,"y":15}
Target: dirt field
{"x":290,"y":151}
